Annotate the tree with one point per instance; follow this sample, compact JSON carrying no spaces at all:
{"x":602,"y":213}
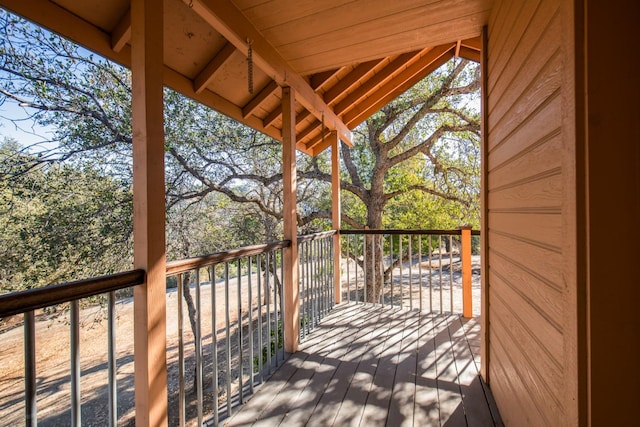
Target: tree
{"x":420,"y":150}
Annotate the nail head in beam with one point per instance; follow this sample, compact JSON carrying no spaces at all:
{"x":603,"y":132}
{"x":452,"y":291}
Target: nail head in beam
{"x":207,"y":74}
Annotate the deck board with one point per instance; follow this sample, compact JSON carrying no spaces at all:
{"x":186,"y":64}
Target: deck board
{"x":367,"y":365}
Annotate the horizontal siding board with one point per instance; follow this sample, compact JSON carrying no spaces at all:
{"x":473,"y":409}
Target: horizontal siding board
{"x":544,"y":342}
{"x":536,"y":159}
{"x":529,"y":55}
{"x":499,"y":30}
{"x":543,"y":122}
{"x":540,"y":267}
{"x":545,"y":229}
{"x":538,"y":192}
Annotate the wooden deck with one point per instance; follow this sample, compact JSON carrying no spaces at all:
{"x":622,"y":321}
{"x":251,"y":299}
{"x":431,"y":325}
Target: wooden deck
{"x":372,"y":366}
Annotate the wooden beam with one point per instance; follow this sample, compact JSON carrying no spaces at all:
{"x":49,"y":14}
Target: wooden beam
{"x":485,"y":286}
{"x":473,"y":43}
{"x":149,"y":248}
{"x":470,"y":54}
{"x":231,"y":23}
{"x":349,"y":80}
{"x":336,"y":211}
{"x":373,"y":83}
{"x":319,"y":79}
{"x":458,"y":44}
{"x":121,"y":34}
{"x":265,"y":93}
{"x":206,"y":76}
{"x":433,"y":59}
{"x":308,"y":130}
{"x":61,"y":21}
{"x":290,"y":229}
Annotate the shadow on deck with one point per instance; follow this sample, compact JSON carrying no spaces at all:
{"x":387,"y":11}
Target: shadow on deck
{"x":371,"y":366}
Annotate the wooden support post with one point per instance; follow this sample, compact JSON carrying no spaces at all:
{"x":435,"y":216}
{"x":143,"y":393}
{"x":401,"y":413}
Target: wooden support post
{"x":336,"y":212}
{"x":289,"y":215}
{"x":149,"y":213}
{"x":485,"y":286}
{"x":465,"y":257}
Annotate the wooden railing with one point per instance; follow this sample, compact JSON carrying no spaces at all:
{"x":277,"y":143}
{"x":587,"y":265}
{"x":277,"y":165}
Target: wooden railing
{"x":418,"y":269}
{"x":27,"y":302}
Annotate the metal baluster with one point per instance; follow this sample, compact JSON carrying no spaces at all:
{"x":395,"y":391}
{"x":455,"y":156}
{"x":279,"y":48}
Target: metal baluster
{"x":111,"y":348}
{"x":276,"y":312}
{"x":332,"y":277}
{"x":430,"y":278}
{"x":75,"y":364}
{"x":401,"y":275}
{"x":227,"y":335}
{"x":391,"y":244}
{"x":373,"y":267}
{"x":214,"y":344}
{"x":268,"y":303}
{"x":31,"y":415}
{"x":410,"y":237}
{"x":420,"y":266}
{"x":282,"y":309}
{"x":355,"y":250}
{"x":240,"y":352}
{"x":181,"y":405}
{"x":347,"y":252}
{"x":250,"y":326}
{"x":312,"y":285}
{"x":440,"y":267}
{"x":260,"y":329}
{"x":451,"y":272}
{"x":364,"y":247}
{"x":198,"y":342}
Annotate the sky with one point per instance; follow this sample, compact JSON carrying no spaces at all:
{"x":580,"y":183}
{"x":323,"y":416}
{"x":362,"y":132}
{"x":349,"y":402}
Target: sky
{"x":23,"y":129}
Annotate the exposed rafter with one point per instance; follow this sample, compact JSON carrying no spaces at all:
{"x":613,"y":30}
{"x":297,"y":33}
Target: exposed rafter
{"x":255,"y":102}
{"x":349,"y":80}
{"x":121,"y":34}
{"x":227,"y":20}
{"x":208,"y":73}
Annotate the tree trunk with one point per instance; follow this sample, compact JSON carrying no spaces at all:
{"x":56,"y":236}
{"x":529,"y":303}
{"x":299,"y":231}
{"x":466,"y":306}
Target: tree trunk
{"x":374,"y":268}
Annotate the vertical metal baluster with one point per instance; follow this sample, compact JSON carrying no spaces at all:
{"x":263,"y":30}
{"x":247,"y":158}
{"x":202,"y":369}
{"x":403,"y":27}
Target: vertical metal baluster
{"x":76,"y":419}
{"x":410,"y":237}
{"x":250,"y":326}
{"x":111,"y":348}
{"x":268,"y":303}
{"x":303,"y":289}
{"x":373,"y":268}
{"x":347,"y":252}
{"x":181,"y":405}
{"x":31,"y":414}
{"x":401,"y":284}
{"x":282,"y":312}
{"x":311,"y":285}
{"x":260,"y":331}
{"x":365,"y":274}
{"x":276,"y":309}
{"x":391,"y":245}
{"x":214,"y":344}
{"x":451,"y":272}
{"x":430,"y":277}
{"x":198,"y":342}
{"x":227,"y":336}
{"x":240,"y":352}
{"x":440,"y":267}
{"x":323,"y":271}
{"x":332,"y":267}
{"x":356,"y":256}
{"x":420,"y":266}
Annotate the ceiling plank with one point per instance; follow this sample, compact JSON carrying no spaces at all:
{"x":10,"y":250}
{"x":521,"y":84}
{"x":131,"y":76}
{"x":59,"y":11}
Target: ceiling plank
{"x":349,"y":80}
{"x":121,"y":34}
{"x":308,"y":130}
{"x":473,"y":43}
{"x":208,"y":73}
{"x":355,"y":119}
{"x":226,"y":19}
{"x":372,"y":84}
{"x":255,"y":102}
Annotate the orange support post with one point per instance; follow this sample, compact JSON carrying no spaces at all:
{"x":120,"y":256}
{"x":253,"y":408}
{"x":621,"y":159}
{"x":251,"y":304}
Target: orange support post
{"x":465,"y":256}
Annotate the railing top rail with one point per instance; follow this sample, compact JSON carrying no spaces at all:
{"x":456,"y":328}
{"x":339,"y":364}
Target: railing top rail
{"x":412,"y":232}
{"x":34,"y":299}
{"x":316,"y":236}
{"x":181,"y":266}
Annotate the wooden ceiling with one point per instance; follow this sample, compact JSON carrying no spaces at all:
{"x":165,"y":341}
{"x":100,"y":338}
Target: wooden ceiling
{"x":345,"y":59}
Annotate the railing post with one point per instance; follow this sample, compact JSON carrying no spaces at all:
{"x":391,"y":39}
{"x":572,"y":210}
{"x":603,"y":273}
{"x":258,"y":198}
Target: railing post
{"x":336,"y":213}
{"x":465,"y":257}
{"x":149,"y":213}
{"x":291,"y":321}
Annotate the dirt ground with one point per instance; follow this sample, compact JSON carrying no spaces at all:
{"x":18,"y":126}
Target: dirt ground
{"x":53,"y":343}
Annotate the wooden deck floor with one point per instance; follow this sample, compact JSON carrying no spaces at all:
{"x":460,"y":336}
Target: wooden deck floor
{"x":372,"y":366}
